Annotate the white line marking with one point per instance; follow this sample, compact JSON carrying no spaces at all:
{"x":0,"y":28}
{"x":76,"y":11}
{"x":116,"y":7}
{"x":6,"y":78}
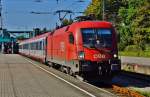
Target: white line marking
{"x":62,"y":79}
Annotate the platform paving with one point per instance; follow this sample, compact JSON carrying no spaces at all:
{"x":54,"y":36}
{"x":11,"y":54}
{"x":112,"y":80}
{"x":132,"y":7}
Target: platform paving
{"x":136,"y":64}
{"x":136,"y":60}
{"x":18,"y":78}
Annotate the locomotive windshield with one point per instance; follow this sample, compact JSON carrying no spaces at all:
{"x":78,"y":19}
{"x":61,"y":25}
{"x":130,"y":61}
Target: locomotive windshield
{"x":97,"y":37}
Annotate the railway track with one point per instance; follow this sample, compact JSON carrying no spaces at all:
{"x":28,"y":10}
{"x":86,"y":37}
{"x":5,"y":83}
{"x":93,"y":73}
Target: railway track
{"x":130,"y":81}
{"x":137,"y":76}
{"x":112,"y":88}
{"x":117,"y":89}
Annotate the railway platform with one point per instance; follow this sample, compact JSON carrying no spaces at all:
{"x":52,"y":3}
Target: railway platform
{"x":136,"y":64}
{"x":20,"y":78}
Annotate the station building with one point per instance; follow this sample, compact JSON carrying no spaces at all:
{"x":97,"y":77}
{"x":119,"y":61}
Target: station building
{"x":9,"y":42}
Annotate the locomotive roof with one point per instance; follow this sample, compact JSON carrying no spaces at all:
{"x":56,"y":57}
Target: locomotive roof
{"x":102,"y":24}
{"x":90,"y":24}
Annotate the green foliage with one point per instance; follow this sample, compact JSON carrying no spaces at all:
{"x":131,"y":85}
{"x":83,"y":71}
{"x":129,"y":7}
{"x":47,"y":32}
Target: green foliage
{"x":44,"y":30}
{"x":111,"y":9}
{"x":22,"y":37}
{"x":135,"y":53}
{"x":95,"y":7}
{"x":131,"y":18}
{"x":147,"y":47}
{"x":146,"y":94}
{"x":37,"y":31}
{"x":132,"y":48}
{"x":66,"y":22}
{"x":141,"y":25}
{"x":136,"y":19}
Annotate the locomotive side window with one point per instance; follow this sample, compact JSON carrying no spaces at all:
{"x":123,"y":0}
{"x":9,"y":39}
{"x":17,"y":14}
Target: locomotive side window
{"x":71,"y":38}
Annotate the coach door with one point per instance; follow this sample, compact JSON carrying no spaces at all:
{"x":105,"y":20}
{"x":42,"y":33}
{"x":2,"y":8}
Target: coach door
{"x":71,"y":47}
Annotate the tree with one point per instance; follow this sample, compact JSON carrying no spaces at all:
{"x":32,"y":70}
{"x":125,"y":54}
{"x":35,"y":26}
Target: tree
{"x":111,"y":9}
{"x":22,"y":37}
{"x":131,"y":18}
{"x":135,"y":17}
{"x":37,"y":31}
{"x":95,"y":7}
{"x":66,"y":22}
{"x":44,"y":30}
{"x":141,"y":26}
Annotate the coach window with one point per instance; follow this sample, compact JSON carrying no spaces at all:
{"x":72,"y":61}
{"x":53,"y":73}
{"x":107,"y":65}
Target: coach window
{"x":40,"y":45}
{"x":71,"y":38}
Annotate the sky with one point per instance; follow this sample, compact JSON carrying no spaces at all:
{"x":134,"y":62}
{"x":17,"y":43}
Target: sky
{"x":17,"y":13}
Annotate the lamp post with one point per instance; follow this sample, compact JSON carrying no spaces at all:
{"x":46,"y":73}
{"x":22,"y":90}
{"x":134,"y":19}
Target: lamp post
{"x":1,"y":27}
{"x":103,"y":9}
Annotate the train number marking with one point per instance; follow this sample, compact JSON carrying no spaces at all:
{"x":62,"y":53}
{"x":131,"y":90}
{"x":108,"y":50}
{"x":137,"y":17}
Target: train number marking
{"x":99,"y":56}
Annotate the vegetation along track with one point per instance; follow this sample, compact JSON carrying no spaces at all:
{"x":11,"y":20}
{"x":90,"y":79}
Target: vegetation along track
{"x":115,"y":88}
{"x":125,"y":91}
{"x":131,"y":81}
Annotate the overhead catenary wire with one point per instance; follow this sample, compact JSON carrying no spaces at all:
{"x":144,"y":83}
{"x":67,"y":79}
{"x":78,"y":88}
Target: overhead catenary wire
{"x":47,"y":11}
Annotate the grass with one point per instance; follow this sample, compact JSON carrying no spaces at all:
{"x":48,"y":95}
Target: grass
{"x":144,"y":93}
{"x":135,"y":54}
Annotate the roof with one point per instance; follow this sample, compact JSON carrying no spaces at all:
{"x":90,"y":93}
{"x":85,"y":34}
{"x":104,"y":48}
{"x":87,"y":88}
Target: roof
{"x":36,"y":38}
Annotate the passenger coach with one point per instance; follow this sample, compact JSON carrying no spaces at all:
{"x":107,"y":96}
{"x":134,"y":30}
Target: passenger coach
{"x":34,"y":47}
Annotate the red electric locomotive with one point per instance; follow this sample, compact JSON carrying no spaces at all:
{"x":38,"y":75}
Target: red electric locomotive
{"x":82,"y":48}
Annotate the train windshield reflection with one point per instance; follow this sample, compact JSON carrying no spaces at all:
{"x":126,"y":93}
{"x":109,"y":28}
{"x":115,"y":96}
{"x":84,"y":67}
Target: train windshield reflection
{"x":96,"y":37}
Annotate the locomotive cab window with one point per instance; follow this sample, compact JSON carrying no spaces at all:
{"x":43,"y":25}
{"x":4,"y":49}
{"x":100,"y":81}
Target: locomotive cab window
{"x":71,"y":38}
{"x":97,"y":37}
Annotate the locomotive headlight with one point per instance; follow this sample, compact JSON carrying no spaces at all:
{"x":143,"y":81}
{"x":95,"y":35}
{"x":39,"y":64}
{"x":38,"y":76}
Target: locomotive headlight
{"x":115,"y":56}
{"x":81,"y":55}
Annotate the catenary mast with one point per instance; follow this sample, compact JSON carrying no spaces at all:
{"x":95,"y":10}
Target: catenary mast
{"x":1,"y":27}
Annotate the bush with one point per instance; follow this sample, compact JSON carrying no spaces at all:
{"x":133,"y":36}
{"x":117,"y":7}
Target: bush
{"x":135,"y":53}
{"x":133,"y":48}
{"x":147,"y":47}
{"x":121,"y":46}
